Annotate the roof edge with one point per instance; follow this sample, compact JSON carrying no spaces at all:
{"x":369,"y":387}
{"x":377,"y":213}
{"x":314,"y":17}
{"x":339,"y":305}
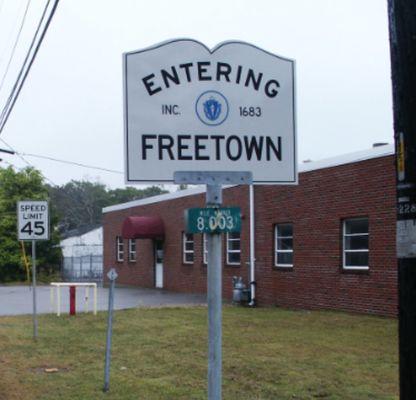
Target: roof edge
{"x":349,"y":158}
{"x":154,"y":199}
{"x":375,"y":152}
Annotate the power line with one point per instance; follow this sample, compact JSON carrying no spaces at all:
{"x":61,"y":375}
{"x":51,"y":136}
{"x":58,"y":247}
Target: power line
{"x":41,"y":174}
{"x":70,"y":162}
{"x":21,"y":154}
{"x":18,"y":86}
{"x":15,"y":86}
{"x":11,"y":30}
{"x":7,"y":151}
{"x":15,"y":44}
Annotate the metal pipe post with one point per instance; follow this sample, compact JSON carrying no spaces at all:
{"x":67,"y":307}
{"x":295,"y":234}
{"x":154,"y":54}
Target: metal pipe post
{"x":35,"y":318}
{"x":109,"y":334}
{"x":252,"y":249}
{"x":214,"y":199}
{"x":72,"y":300}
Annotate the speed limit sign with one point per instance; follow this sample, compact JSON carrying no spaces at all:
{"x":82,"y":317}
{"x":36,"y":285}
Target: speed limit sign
{"x":33,"y":220}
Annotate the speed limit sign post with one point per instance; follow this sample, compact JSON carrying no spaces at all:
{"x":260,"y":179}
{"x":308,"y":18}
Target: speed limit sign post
{"x":33,"y":225}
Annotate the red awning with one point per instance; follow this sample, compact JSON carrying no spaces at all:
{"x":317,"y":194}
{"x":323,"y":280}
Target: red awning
{"x":150,"y":227}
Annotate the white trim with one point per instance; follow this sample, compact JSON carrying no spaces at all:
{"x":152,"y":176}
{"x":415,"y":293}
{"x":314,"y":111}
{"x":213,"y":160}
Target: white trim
{"x":344,"y":251}
{"x":119,"y":249}
{"x":276,"y":250}
{"x":375,"y":152}
{"x":357,"y":268}
{"x":185,"y":240}
{"x":155,"y":199}
{"x":131,"y":252}
{"x":228,"y":239}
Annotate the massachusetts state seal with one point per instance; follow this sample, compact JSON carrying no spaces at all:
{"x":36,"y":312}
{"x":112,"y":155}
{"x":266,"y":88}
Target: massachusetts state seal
{"x":212,"y":108}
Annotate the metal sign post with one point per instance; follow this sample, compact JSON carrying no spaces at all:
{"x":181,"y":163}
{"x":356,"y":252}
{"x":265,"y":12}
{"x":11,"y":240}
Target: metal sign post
{"x":112,"y":275}
{"x":214,"y":199}
{"x":214,"y":180}
{"x":33,"y":225}
{"x":35,"y":318}
{"x":189,"y":109}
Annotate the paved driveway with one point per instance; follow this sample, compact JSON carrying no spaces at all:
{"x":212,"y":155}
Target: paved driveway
{"x":16,"y":300}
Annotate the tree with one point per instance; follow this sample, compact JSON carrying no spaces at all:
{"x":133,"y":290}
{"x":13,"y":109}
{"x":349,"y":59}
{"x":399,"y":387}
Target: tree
{"x":129,"y":193}
{"x":79,"y":204}
{"x":15,"y":186}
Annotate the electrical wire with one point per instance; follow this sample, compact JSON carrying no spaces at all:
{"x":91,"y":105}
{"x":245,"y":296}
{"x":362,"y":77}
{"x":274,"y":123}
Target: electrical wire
{"x":70,"y":162}
{"x":20,"y":155}
{"x":11,"y":101}
{"x":15,"y":86}
{"x":15,"y":44}
{"x":41,"y":174}
{"x":4,"y":47}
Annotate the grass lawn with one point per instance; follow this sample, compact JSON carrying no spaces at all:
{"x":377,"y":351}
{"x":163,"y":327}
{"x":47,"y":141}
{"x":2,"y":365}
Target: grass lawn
{"x":268,"y":353}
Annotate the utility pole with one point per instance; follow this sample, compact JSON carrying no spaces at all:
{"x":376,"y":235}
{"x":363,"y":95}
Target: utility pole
{"x":402,"y":22}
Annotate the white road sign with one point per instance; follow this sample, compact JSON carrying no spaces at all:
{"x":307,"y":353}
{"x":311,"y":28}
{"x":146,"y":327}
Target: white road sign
{"x":189,"y":108}
{"x":33,"y":220}
{"x":112,"y":274}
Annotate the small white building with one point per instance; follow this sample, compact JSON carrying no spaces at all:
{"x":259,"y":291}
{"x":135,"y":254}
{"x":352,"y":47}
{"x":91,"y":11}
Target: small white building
{"x":83,"y":256}
{"x":89,"y":243}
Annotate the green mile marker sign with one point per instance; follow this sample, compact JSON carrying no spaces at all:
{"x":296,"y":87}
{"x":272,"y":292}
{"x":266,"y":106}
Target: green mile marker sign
{"x":213,"y":220}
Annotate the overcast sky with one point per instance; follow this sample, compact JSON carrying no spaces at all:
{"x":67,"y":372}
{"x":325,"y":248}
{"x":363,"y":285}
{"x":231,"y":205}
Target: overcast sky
{"x":71,"y":105}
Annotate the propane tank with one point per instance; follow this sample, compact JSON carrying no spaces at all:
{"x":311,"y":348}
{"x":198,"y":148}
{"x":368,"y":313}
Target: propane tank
{"x":238,"y":289}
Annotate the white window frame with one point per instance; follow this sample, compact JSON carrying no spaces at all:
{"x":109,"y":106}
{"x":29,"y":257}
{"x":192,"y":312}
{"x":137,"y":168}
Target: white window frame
{"x":344,"y":250}
{"x":185,"y":252}
{"x":205,"y":249}
{"x":132,"y":250}
{"x":229,"y":251}
{"x":119,"y":249}
{"x":276,"y":246}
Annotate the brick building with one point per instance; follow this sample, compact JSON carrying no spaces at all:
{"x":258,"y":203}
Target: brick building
{"x":327,"y":243}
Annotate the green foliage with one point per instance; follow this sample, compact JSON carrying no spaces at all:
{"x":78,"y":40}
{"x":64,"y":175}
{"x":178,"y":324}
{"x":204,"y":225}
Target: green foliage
{"x":16,"y":186}
{"x":79,"y":204}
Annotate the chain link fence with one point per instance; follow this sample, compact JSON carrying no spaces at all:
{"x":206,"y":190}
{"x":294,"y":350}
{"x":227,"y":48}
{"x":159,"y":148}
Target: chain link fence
{"x":87,"y":268}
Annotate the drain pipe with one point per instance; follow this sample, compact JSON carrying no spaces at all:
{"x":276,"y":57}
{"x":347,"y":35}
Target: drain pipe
{"x":252,"y":248}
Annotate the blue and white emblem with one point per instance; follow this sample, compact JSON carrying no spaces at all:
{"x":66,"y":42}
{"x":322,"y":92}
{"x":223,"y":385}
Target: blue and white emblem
{"x":212,"y":108}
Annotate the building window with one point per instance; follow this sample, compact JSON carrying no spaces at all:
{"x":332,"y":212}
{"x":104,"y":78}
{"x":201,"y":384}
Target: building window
{"x":132,"y":250}
{"x":355,"y":243}
{"x":205,"y":248}
{"x":283,"y":234}
{"x":188,"y":248}
{"x":119,"y":248}
{"x":233,"y":248}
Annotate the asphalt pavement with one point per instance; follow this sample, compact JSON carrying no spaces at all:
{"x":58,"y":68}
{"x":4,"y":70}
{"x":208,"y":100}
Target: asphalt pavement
{"x":17,"y":300}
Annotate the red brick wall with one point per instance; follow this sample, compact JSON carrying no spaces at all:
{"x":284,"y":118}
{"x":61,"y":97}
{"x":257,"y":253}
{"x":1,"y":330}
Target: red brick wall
{"x":178,"y":276}
{"x":316,"y":207}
